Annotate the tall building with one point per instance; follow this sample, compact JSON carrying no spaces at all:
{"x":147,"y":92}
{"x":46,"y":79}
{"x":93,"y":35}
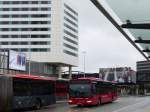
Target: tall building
{"x":47,"y":28}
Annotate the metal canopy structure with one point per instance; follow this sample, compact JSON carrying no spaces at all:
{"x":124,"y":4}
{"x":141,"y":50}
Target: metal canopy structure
{"x":131,"y":18}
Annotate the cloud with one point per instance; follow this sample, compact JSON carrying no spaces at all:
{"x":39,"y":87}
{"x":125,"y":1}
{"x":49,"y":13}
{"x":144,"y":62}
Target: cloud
{"x":104,"y":44}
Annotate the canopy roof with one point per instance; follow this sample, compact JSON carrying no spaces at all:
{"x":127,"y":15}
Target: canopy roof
{"x":131,"y":18}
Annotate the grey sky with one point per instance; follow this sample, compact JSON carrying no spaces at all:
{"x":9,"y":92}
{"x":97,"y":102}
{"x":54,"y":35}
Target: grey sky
{"x":104,"y":45}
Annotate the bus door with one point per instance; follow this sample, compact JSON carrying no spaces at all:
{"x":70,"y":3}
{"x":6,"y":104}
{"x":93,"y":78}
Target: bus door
{"x":6,"y":94}
{"x":106,"y":95}
{"x":95,"y":94}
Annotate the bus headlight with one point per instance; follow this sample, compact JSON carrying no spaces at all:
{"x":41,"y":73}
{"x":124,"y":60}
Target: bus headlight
{"x":70,"y":101}
{"x":89,"y":101}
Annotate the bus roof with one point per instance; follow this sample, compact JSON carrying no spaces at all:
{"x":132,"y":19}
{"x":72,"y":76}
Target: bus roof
{"x":90,"y":78}
{"x":27,"y":76}
{"x":62,"y":79}
{"x":93,"y":79}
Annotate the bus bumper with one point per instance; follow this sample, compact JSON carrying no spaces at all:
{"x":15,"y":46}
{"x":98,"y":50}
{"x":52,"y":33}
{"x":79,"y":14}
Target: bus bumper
{"x":82,"y":102}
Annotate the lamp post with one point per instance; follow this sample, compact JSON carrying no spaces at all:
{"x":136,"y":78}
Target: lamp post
{"x":29,"y":51}
{"x":84,"y":54}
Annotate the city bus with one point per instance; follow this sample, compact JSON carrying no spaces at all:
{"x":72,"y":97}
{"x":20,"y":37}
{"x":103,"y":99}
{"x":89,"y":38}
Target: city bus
{"x":25,"y":91}
{"x":91,"y":91}
{"x":62,"y":89}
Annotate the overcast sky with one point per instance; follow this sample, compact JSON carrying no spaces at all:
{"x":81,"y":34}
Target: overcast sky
{"x":104,"y":44}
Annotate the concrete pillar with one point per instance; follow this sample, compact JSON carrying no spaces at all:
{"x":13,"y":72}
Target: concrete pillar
{"x":59,"y":71}
{"x":137,"y":90}
{"x":70,"y":72}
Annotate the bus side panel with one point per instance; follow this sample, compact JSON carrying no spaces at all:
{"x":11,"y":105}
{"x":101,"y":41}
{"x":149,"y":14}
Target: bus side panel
{"x":28,"y":91}
{"x":29,"y":101}
{"x":6,"y":94}
{"x":61,"y":90}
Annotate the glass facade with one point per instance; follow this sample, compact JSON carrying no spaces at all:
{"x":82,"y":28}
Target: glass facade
{"x":21,"y":18}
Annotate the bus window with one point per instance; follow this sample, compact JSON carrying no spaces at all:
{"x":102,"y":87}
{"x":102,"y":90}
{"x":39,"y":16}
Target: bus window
{"x":80,"y":90}
{"x":32,"y":92}
{"x":94,"y":91}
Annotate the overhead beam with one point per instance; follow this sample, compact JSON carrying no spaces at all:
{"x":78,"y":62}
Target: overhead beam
{"x":110,"y":18}
{"x":142,"y":41}
{"x":146,"y":50}
{"x":136,"y":26}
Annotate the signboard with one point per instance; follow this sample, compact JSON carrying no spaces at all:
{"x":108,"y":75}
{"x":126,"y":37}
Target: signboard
{"x":17,"y":60}
{"x":120,"y":74}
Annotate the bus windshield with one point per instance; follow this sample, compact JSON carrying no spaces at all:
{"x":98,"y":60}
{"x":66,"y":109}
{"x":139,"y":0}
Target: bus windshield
{"x":80,"y":90}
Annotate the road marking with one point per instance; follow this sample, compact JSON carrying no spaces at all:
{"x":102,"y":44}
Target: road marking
{"x":129,"y":107}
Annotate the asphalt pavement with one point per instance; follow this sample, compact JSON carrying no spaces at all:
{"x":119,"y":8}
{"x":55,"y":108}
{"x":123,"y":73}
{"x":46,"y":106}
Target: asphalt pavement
{"x":124,"y":104}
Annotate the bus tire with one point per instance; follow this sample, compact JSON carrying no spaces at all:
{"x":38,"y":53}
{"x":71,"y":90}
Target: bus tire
{"x":112,"y":99}
{"x":99,"y":102}
{"x":37,"y":104}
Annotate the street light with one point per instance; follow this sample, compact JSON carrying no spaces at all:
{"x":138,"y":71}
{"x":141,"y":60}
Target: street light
{"x":29,"y":51}
{"x":84,"y":54}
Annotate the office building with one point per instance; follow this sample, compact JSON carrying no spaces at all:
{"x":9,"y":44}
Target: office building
{"x":46,"y":28}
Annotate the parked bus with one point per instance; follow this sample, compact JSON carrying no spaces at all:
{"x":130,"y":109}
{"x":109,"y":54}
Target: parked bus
{"x":62,"y":89}
{"x":24,"y":91}
{"x":91,"y":91}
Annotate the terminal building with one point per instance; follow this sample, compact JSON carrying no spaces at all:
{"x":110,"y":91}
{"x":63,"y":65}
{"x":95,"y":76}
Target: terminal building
{"x":120,"y":74}
{"x":45,"y":30}
{"x":124,"y":77}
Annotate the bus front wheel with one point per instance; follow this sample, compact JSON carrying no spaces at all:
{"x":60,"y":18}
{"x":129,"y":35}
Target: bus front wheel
{"x":99,"y":102}
{"x":37,"y":104}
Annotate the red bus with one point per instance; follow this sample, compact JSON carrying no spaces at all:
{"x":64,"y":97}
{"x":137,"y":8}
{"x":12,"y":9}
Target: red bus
{"x":62,"y":88}
{"x":91,"y":91}
{"x":24,"y":91}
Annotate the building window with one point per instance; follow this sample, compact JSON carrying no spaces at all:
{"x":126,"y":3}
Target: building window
{"x":4,"y":36}
{"x":15,"y":9}
{"x":71,"y":22}
{"x":4,"y":29}
{"x":24,"y":22}
{"x":40,"y":15}
{"x":4,"y":43}
{"x":4,"y":22}
{"x":70,"y":47}
{"x":34,"y":9}
{"x":35,"y":2}
{"x":45,"y":9}
{"x":15,"y":22}
{"x":14,"y":49}
{"x":24,"y":9}
{"x":24,"y":2}
{"x":45,"y":2}
{"x":14,"y":36}
{"x":24,"y":50}
{"x":71,"y":28}
{"x":5,"y":9}
{"x":24,"y":36}
{"x":70,"y":40}
{"x":40,"y":43}
{"x":70,"y":53}
{"x":6,"y":2}
{"x":70,"y":15}
{"x":24,"y":43}
{"x":15,"y":2}
{"x":14,"y":43}
{"x":70,"y":34}
{"x":69,"y":8}
{"x":4,"y":16}
{"x":15,"y":16}
{"x":14,"y":29}
{"x":40,"y":49}
{"x":26,"y":16}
